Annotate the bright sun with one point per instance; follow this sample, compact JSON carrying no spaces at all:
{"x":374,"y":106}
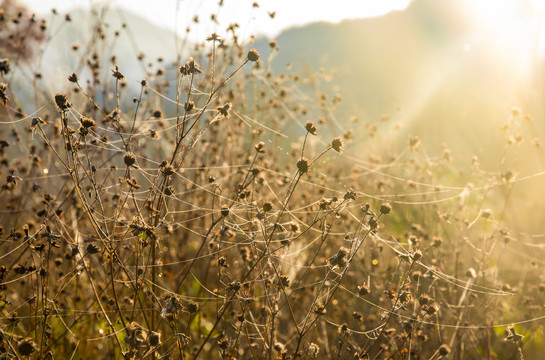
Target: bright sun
{"x":513,"y":23}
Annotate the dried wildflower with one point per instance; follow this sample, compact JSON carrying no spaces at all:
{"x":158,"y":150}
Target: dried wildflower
{"x":87,"y":122}
{"x":284,"y":281}
{"x":260,"y":147}
{"x":357,"y":316}
{"x":253,"y":55}
{"x":385,"y":208}
{"x":311,"y":128}
{"x":337,"y":145}
{"x":224,"y":110}
{"x":192,"y":308}
{"x":350,"y":195}
{"x":117,"y":74}
{"x":424,"y":300}
{"x":417,"y":255}
{"x":267,"y":206}
{"x":224,"y":210}
{"x":129,"y":158}
{"x":222,"y":262}
{"x":26,"y":347}
{"x":319,"y":309}
{"x":154,"y":338}
{"x":73,"y":78}
{"x":414,"y":142}
{"x":12,"y":180}
{"x":167,"y":170}
{"x":3,"y":94}
{"x":363,"y":290}
{"x":302,"y":165}
{"x":340,"y":258}
{"x":133,"y":183}
{"x":373,"y":224}
{"x":4,"y":66}
{"x":223,"y":344}
{"x":512,"y":335}
{"x":93,"y":249}
{"x":190,"y":68}
{"x":444,"y":350}
{"x":213,"y":37}
{"x":189,"y":105}
{"x":430,"y":309}
{"x":172,"y":306}
{"x":405,"y":297}
{"x":234,"y":286}
{"x":436,"y":241}
{"x":62,"y":101}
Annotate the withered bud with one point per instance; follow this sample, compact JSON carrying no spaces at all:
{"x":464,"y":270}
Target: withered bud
{"x":253,"y":55}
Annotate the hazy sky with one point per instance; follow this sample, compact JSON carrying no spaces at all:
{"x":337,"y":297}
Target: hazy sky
{"x":253,"y":20}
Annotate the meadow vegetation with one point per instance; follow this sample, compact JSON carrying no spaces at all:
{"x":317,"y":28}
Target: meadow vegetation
{"x":227,"y":219}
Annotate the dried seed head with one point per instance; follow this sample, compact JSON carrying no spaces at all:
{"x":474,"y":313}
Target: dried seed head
{"x":284,"y":281}
{"x":417,"y":255}
{"x":363,"y":290}
{"x":267,"y":206}
{"x":444,"y":350}
{"x":302,"y":165}
{"x":189,"y":105}
{"x":224,"y":210}
{"x":253,"y":55}
{"x":87,"y":122}
{"x":350,"y":195}
{"x":192,"y":308}
{"x":190,"y":68}
{"x":224,"y":110}
{"x":4,"y":66}
{"x":357,"y":316}
{"x":260,"y":147}
{"x":129,"y":159}
{"x":154,"y":338}
{"x":337,"y":145}
{"x":319,"y":309}
{"x":311,"y":128}
{"x":117,"y":74}
{"x":424,"y":300}
{"x":167,"y":170}
{"x":313,"y":349}
{"x":213,"y":37}
{"x":133,"y":183}
{"x":26,"y":347}
{"x":62,"y":101}
{"x":222,"y":262}
{"x":93,"y":249}
{"x":385,"y":208}
{"x":73,"y":78}
{"x":3,"y":94}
